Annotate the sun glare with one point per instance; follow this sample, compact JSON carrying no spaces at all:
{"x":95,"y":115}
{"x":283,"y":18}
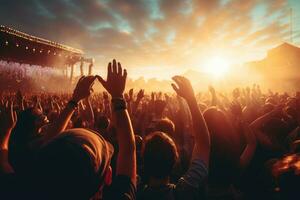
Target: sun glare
{"x":217,"y":66}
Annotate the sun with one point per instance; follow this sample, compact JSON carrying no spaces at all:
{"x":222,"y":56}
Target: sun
{"x":217,"y":66}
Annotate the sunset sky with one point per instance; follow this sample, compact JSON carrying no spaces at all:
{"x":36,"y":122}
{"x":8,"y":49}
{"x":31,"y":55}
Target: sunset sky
{"x":158,"y":38}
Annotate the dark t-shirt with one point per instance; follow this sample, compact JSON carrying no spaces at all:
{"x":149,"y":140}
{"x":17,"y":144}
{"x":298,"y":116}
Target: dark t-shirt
{"x":189,"y":187}
{"x":121,"y":188}
{"x":13,"y":188}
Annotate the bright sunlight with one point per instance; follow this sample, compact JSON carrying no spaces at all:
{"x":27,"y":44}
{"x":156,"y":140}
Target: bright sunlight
{"x":217,"y":66}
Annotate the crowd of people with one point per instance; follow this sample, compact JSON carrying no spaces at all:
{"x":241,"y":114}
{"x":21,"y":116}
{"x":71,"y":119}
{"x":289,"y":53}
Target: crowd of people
{"x":34,"y":78}
{"x":148,"y":144}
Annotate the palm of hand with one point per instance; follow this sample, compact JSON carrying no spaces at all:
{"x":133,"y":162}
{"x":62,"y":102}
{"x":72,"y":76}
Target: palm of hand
{"x":184,"y":88}
{"x":116,"y":79}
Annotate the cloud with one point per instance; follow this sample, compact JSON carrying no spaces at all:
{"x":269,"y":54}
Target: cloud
{"x":158,"y":33}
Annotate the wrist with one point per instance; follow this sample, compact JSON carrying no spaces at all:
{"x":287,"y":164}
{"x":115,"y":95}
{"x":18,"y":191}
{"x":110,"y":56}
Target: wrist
{"x":117,"y":96}
{"x":191,"y":100}
{"x":118,"y":104}
{"x":4,"y":146}
{"x":73,"y":103}
{"x":75,"y":99}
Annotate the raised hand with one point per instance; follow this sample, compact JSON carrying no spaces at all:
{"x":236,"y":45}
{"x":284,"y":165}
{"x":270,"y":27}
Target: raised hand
{"x":236,"y":93}
{"x":8,"y":117}
{"x":201,"y":134}
{"x":130,"y":93}
{"x":167,"y":98}
{"x":152,"y":96}
{"x":212,"y":90}
{"x":183,"y":88}
{"x":236,"y":109}
{"x":115,"y":85}
{"x":140,"y":94}
{"x":116,"y":79}
{"x":8,"y":120}
{"x":83,"y":88}
{"x":159,"y":106}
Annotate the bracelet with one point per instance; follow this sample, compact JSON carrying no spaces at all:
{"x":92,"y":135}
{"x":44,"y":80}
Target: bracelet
{"x":118,"y":104}
{"x":73,"y":104}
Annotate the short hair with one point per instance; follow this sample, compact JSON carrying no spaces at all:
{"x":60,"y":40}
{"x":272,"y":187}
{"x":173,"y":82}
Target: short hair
{"x":159,"y":154}
{"x":165,"y":125}
{"x":73,"y":165}
{"x":21,"y":137}
{"x":103,"y":123}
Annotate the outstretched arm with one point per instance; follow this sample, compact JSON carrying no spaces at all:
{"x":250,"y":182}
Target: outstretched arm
{"x":257,"y":124}
{"x":214,"y":98}
{"x":115,"y":85}
{"x":83,"y":90}
{"x":139,"y":97}
{"x":201,"y":133}
{"x":8,"y":119}
{"x":250,"y":148}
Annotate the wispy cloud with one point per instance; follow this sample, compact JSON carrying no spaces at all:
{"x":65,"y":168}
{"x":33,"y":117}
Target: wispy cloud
{"x":156,"y":33}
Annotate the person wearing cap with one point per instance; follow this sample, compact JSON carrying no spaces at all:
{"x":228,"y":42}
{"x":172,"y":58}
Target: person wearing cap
{"x":75,"y":163}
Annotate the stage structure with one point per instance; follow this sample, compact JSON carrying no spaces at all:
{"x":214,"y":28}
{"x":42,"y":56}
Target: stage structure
{"x":20,"y":47}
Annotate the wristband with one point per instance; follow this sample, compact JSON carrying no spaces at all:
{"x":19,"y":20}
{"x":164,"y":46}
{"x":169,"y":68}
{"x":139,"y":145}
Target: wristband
{"x":118,"y":104}
{"x":73,"y":104}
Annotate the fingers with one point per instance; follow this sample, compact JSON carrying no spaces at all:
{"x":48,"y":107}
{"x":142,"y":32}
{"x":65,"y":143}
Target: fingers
{"x":114,"y":67}
{"x":125,"y":74}
{"x":91,"y":79}
{"x":119,"y":69}
{"x":81,"y":78}
{"x":131,"y":92}
{"x":175,"y":88}
{"x":109,"y":70}
{"x":179,"y":80}
{"x":102,"y":81}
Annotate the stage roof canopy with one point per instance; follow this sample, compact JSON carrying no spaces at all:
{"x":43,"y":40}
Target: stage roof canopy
{"x":20,"y":47}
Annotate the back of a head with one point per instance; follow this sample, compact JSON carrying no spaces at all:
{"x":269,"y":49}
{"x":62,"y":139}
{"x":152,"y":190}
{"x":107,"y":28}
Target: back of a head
{"x":21,"y":136}
{"x":72,"y":166}
{"x":159,"y":154}
{"x":165,"y":125}
{"x":103,"y":123}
